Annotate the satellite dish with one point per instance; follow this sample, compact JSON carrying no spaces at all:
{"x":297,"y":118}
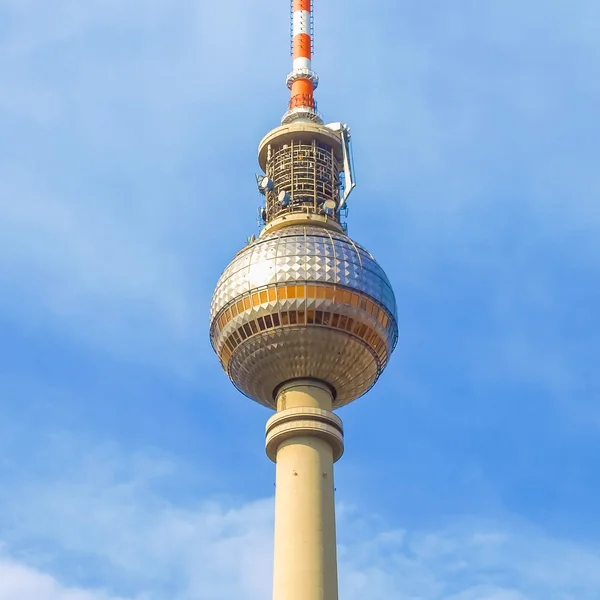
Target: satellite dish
{"x":265,"y":184}
{"x":284,"y":198}
{"x":329,"y":204}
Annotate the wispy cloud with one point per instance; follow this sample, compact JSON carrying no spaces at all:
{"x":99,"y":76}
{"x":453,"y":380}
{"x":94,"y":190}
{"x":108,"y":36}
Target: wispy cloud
{"x":107,"y":226}
{"x":110,"y":514}
{"x":25,"y":583}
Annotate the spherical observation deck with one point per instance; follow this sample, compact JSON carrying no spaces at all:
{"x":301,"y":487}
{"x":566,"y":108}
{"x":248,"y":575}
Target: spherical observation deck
{"x":303,"y":302}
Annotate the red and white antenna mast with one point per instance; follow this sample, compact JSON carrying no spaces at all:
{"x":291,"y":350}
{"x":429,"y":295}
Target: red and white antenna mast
{"x":302,"y":81}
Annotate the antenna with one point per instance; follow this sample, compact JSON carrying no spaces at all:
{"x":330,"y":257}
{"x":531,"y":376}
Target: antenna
{"x":329,"y":205}
{"x":348,"y":170}
{"x":302,"y":81}
{"x":264,"y":184}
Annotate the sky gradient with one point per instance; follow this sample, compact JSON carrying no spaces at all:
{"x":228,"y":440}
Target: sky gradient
{"x":130,"y":468}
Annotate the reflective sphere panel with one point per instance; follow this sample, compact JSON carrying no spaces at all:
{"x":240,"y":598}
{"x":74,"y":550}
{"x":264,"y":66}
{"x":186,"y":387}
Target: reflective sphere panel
{"x":303,"y":302}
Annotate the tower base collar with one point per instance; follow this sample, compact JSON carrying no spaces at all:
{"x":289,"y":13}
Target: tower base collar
{"x":304,"y":409}
{"x":302,"y":421}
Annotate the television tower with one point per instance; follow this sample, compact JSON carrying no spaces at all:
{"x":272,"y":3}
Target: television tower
{"x":303,"y":321}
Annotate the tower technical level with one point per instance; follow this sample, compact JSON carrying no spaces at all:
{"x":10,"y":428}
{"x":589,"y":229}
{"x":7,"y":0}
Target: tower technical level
{"x":303,"y":321}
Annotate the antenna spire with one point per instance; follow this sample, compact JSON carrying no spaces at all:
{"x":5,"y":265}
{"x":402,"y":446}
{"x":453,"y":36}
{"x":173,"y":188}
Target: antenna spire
{"x":302,"y":81}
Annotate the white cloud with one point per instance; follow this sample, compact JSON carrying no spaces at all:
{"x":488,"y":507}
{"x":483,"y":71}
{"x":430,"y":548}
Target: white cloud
{"x":106,"y":511}
{"x":470,"y":559}
{"x":19,"y":582}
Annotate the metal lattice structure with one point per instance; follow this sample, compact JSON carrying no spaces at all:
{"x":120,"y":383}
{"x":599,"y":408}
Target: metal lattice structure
{"x":308,"y":172}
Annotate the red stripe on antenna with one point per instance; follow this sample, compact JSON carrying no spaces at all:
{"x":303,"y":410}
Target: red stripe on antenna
{"x":301,"y":46}
{"x":301,"y":5}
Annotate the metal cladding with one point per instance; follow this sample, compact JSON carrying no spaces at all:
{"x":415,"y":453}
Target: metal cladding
{"x":303,"y":302}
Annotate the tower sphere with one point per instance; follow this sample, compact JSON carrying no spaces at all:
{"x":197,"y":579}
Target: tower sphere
{"x":303,"y":302}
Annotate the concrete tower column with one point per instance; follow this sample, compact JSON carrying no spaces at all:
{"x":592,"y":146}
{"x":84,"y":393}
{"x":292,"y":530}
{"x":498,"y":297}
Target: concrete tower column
{"x":304,"y":439}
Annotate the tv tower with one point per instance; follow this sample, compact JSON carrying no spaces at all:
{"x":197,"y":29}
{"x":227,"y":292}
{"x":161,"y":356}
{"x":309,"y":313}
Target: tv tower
{"x":303,"y":321}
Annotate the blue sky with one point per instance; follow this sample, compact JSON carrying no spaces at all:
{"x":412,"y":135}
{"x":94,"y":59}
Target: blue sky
{"x":130,"y":468}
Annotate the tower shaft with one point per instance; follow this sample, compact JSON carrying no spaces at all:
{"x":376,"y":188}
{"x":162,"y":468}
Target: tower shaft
{"x":304,"y":438}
